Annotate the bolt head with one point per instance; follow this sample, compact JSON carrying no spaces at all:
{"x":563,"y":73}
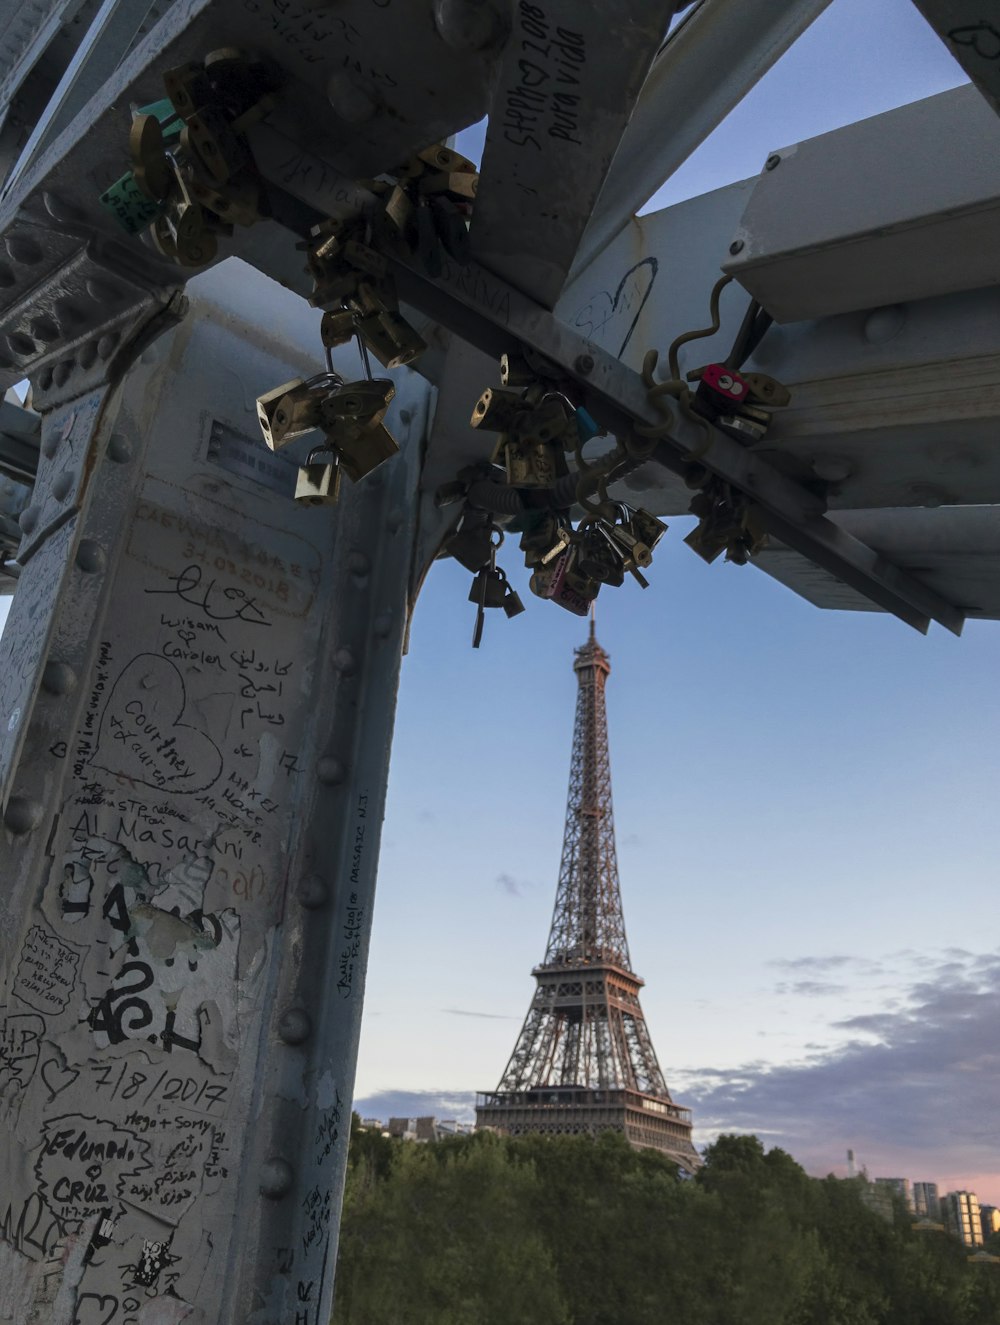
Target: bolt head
{"x":584,"y":364}
{"x":736,"y":247}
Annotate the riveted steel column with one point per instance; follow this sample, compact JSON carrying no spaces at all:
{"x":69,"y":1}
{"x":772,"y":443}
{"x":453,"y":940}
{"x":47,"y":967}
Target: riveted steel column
{"x":197,"y":781}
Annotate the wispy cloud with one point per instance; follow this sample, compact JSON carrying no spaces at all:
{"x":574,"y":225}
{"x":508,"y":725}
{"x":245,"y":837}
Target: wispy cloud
{"x":809,"y":989}
{"x":466,"y":1012}
{"x":917,"y":1082}
{"x":513,"y":887}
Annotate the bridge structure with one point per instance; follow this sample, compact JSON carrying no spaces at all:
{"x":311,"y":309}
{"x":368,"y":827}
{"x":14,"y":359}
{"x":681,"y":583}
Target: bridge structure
{"x":203,"y":202}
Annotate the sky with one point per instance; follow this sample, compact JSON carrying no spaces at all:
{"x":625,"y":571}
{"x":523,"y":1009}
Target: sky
{"x":805,"y":802}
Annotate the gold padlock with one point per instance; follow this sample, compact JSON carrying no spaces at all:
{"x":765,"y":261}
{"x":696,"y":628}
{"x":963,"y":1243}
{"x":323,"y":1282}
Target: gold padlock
{"x":391,"y":339}
{"x":318,"y":483}
{"x":267,"y":404}
{"x":497,"y":411}
{"x":361,"y":452}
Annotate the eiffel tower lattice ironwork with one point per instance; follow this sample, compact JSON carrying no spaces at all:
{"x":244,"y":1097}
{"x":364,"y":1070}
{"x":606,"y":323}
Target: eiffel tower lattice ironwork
{"x":584,"y":1061}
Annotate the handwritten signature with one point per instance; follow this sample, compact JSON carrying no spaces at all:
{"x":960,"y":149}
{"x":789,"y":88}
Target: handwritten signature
{"x":231,"y":604}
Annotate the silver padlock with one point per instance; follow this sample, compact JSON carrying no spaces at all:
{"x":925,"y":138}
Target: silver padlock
{"x":319,"y":481}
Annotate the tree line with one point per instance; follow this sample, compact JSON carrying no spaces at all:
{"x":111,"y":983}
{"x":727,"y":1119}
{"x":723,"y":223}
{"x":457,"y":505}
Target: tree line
{"x":491,"y":1230}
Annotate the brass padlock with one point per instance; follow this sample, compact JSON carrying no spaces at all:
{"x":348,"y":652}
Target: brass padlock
{"x":268,"y":403}
{"x":497,"y":411}
{"x":363,"y":402}
{"x":289,"y":411}
{"x":337,"y":328}
{"x":532,"y":464}
{"x":391,"y":339}
{"x":150,"y":168}
{"x":318,"y":483}
{"x":361,"y":452}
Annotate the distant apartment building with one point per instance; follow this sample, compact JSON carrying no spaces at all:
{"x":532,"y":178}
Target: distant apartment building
{"x":428,"y":1129}
{"x":989,"y":1217}
{"x":960,"y":1211}
{"x":926,"y":1203}
{"x":898,"y":1187}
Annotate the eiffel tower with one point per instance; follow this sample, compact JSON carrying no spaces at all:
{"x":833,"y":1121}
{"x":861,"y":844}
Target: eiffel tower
{"x":584,"y":1062}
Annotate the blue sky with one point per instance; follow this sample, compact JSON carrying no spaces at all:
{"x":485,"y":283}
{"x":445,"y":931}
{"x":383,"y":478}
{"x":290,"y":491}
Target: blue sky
{"x":805,"y":801}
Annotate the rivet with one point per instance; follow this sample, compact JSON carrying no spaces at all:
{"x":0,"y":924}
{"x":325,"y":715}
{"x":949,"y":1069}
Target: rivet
{"x":7,"y":277}
{"x":21,"y":344}
{"x":45,"y":330}
{"x":358,"y":563}
{"x":350,"y":102}
{"x":345,"y":661}
{"x":294,"y":1026}
{"x":883,"y":324}
{"x":91,"y":557}
{"x":87,"y":354}
{"x":59,"y":678}
{"x":22,"y":249}
{"x":106,"y":345}
{"x":59,"y":209}
{"x":313,"y":892}
{"x":382,"y":624}
{"x":773,"y":160}
{"x":330,"y":771}
{"x":23,"y":814}
{"x":61,"y":372}
{"x":584,"y":364}
{"x":119,"y":449}
{"x":276,"y":1178}
{"x":63,"y":485}
{"x":28,"y":519}
{"x":736,"y":247}
{"x":103,"y":291}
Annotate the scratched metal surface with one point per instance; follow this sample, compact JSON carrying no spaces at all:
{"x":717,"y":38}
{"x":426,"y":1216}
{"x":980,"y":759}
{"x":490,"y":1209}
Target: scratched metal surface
{"x":186,"y":916}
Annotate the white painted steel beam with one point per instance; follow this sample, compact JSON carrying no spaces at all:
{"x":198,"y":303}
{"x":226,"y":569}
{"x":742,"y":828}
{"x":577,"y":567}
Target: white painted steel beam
{"x":971,"y":31}
{"x":707,"y":66}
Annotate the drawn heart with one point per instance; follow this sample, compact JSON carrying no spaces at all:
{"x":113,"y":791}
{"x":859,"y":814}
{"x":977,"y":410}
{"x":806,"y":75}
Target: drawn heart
{"x":605,"y":319}
{"x":983,"y":37}
{"x":95,"y":1309}
{"x":142,"y":737}
{"x":56,"y":1077}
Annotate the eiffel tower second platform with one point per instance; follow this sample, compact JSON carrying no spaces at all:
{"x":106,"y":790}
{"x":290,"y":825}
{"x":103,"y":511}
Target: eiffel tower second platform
{"x":584,"y":1061}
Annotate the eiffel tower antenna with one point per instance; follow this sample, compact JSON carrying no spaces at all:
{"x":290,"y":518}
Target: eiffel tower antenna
{"x":584,"y":1061}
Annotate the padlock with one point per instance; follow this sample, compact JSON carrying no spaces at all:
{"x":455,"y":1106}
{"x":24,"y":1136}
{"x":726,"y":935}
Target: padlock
{"x":547,"y":422}
{"x":361,"y":452}
{"x":266,"y":406}
{"x":188,"y":88}
{"x":460,"y":184}
{"x":365,"y":259}
{"x":150,"y":168}
{"x":208,"y":139}
{"x":318,"y":483}
{"x":561,"y":585}
{"x":471,"y":543}
{"x":599,"y":557}
{"x":545,"y":536}
{"x":391,"y":339}
{"x":489,"y":587}
{"x":533,"y":464}
{"x":514,"y":370}
{"x":364,"y":402}
{"x":337,"y":328}
{"x":497,"y":411}
{"x":298,"y":411}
